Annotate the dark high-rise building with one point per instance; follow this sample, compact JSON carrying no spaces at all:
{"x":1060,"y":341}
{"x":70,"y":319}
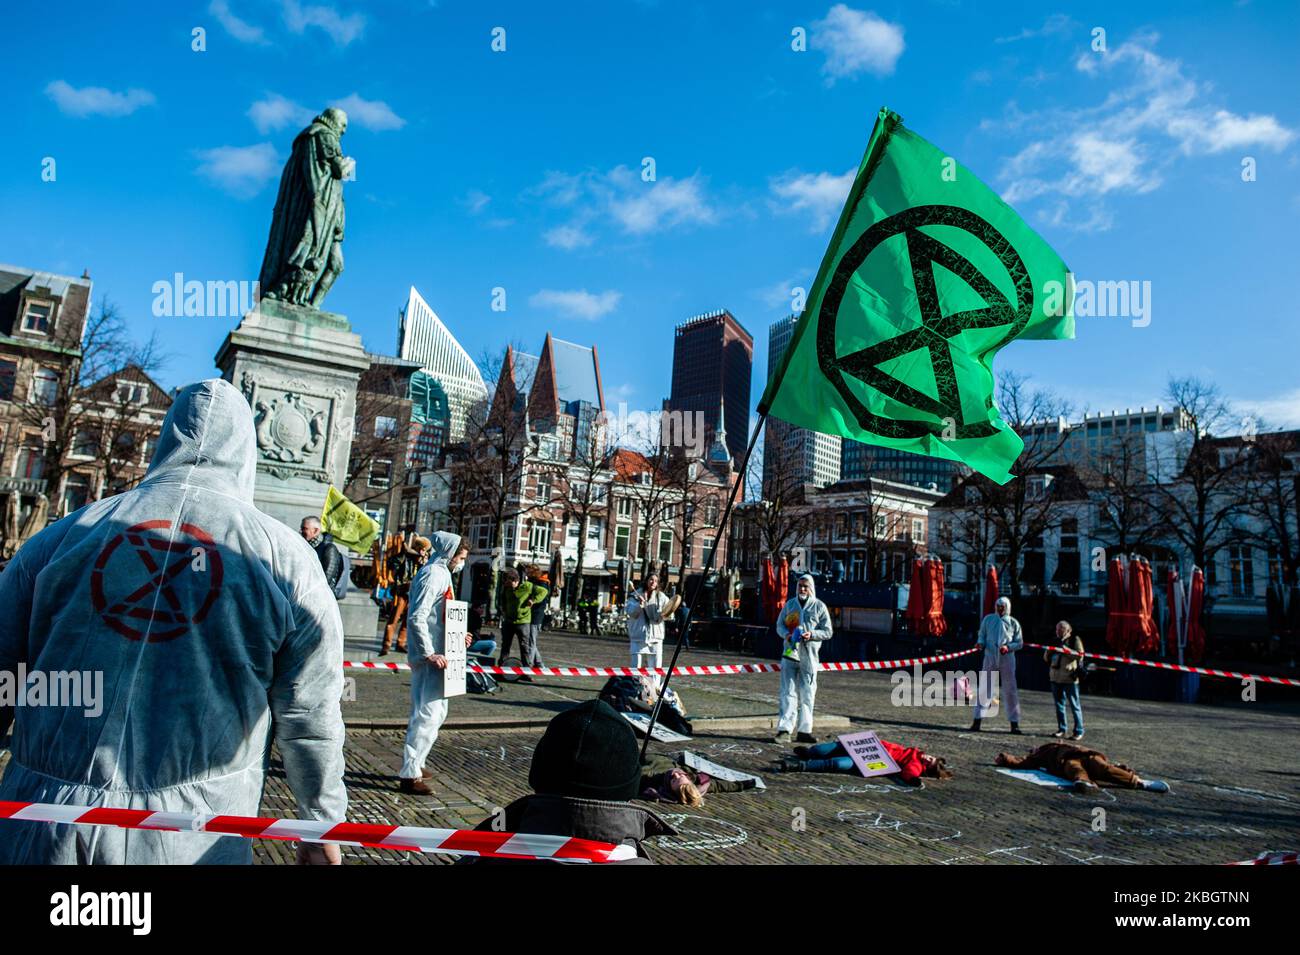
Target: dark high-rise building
{"x":860,"y":461}
{"x":713,"y":358}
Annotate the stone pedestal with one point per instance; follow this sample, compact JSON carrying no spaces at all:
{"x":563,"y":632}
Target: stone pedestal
{"x":298,"y":367}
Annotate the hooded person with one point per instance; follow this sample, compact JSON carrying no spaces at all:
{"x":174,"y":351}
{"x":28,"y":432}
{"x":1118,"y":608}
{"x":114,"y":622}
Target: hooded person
{"x":215,"y":632}
{"x":585,"y":773}
{"x":426,"y":652}
{"x":1000,"y":636}
{"x":804,"y":623}
{"x":647,"y":607}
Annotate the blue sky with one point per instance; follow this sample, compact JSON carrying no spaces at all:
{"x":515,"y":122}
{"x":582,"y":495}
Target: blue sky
{"x":522,"y":169}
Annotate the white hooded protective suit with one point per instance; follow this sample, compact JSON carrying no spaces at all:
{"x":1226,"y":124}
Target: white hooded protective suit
{"x":426,"y":626}
{"x":995,"y":633}
{"x":798,"y":692}
{"x":213,"y":627}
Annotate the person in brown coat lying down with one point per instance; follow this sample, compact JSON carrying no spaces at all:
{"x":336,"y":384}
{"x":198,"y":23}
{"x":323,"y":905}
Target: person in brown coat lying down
{"x":1086,"y":768}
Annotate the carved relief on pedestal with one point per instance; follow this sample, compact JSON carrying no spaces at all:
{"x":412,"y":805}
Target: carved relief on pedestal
{"x":292,"y":425}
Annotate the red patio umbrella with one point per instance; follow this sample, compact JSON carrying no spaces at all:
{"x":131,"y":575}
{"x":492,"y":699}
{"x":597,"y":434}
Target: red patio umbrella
{"x":1116,"y":604}
{"x":782,"y":586}
{"x":915,"y":612}
{"x":1176,"y":599}
{"x":990,"y":591}
{"x":1148,"y":633}
{"x":936,"y":625}
{"x":1195,"y":603}
{"x":767,"y":589}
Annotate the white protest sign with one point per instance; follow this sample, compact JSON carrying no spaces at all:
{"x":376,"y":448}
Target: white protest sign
{"x":702,"y":765}
{"x":456,"y":623}
{"x":641,"y":723}
{"x":867,"y":754}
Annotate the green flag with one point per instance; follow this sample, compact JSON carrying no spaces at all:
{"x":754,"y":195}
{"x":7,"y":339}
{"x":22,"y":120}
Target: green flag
{"x":928,"y":274}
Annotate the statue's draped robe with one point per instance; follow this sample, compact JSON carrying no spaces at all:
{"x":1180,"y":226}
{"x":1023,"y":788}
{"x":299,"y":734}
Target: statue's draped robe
{"x":308,"y":216}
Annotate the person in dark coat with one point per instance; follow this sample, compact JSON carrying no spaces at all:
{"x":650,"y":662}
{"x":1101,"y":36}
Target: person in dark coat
{"x":331,"y":561}
{"x":1086,"y":768}
{"x":585,"y":773}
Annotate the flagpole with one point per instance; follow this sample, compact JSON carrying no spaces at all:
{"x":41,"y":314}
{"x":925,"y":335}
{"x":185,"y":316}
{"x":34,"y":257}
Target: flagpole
{"x":699,"y":586}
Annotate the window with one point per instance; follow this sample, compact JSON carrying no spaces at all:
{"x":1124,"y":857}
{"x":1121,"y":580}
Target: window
{"x":918,"y":529}
{"x":539,"y":537}
{"x":670,"y":512}
{"x":8,"y":373}
{"x":124,"y":446}
{"x":841,"y":526}
{"x":595,"y":531}
{"x":76,"y":492}
{"x":410,"y":509}
{"x":482,"y":532}
{"x":1242,"y":570}
{"x":130,"y":392}
{"x":45,"y":386}
{"x":510,"y":535}
{"x":381,"y":473}
{"x":624,"y":509}
{"x":543,"y":488}
{"x":640,"y":543}
{"x":85,"y":443}
{"x":31,"y":458}
{"x":666,"y":545}
{"x":688,"y":550}
{"x":711,"y":511}
{"x":622,"y":538}
{"x":880,"y":526}
{"x":571,"y":534}
{"x":385,"y":426}
{"x":36,"y":317}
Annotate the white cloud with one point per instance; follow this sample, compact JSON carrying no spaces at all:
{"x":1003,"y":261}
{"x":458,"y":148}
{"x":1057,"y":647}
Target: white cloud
{"x":374,"y":115}
{"x":276,"y":112}
{"x":818,"y":196}
{"x":476,"y":201}
{"x":1153,"y":115}
{"x":241,"y":30}
{"x":567,"y":237}
{"x":576,"y":303}
{"x":341,"y":29}
{"x":780,"y":295}
{"x":856,"y":41}
{"x":96,"y":100}
{"x":1054,"y":24}
{"x":241,"y":171}
{"x":620,"y":199}
{"x":1279,"y":412}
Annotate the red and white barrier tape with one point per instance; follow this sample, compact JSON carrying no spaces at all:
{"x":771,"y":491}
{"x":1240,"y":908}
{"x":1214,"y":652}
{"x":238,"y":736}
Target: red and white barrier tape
{"x":721,"y":669}
{"x":471,"y":842}
{"x":1159,"y":665}
{"x":1271,"y":858}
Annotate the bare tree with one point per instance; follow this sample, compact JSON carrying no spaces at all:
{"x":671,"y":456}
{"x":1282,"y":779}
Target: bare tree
{"x":1273,"y":499}
{"x":581,"y":487}
{"x":1127,"y":519}
{"x":1021,"y":510}
{"x":780,"y":515}
{"x":381,"y":432}
{"x":60,"y":408}
{"x":1199,"y":507}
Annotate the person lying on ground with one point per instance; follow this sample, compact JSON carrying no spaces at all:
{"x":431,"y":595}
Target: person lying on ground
{"x":664,"y":779}
{"x":586,"y":771}
{"x":832,"y":757}
{"x":1086,"y":768}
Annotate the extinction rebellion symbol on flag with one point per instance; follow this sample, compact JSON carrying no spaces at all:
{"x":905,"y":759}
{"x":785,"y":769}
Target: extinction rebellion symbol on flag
{"x":936,"y":330}
{"x":152,"y":583}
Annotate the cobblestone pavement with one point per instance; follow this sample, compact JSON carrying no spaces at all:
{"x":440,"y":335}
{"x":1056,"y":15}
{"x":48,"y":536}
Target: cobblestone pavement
{"x":1235,"y":783}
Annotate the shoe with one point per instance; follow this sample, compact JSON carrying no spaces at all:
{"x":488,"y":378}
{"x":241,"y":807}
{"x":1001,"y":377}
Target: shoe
{"x":787,"y":764}
{"x":975,"y":727}
{"x":1015,"y":730}
{"x":805,"y":738}
{"x":801,"y":752}
{"x":1155,"y":786}
{"x":426,"y":774}
{"x":1086,"y":786}
{"x":383,"y":651}
{"x":1077,"y":736}
{"x":415,"y":787}
{"x":782,"y":737}
{"x":1059,"y":734}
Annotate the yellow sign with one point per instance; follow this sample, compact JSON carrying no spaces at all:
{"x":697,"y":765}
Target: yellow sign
{"x":348,"y":524}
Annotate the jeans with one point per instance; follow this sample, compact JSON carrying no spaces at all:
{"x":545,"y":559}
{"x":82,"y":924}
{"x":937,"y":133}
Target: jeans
{"x":1063,"y":693}
{"x":523,"y":632}
{"x":828,"y":758}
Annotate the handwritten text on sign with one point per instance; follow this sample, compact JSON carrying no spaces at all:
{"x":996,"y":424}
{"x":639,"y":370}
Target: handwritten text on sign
{"x":867,"y":754}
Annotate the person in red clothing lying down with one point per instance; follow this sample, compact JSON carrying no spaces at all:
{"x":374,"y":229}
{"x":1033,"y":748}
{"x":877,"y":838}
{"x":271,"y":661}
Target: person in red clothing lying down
{"x":832,"y":757}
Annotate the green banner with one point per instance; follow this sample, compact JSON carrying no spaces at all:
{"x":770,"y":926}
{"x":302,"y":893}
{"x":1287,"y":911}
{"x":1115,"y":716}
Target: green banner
{"x":927,"y":276}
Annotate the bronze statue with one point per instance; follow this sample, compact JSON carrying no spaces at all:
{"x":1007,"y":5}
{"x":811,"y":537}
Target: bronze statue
{"x":304,"y":254}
